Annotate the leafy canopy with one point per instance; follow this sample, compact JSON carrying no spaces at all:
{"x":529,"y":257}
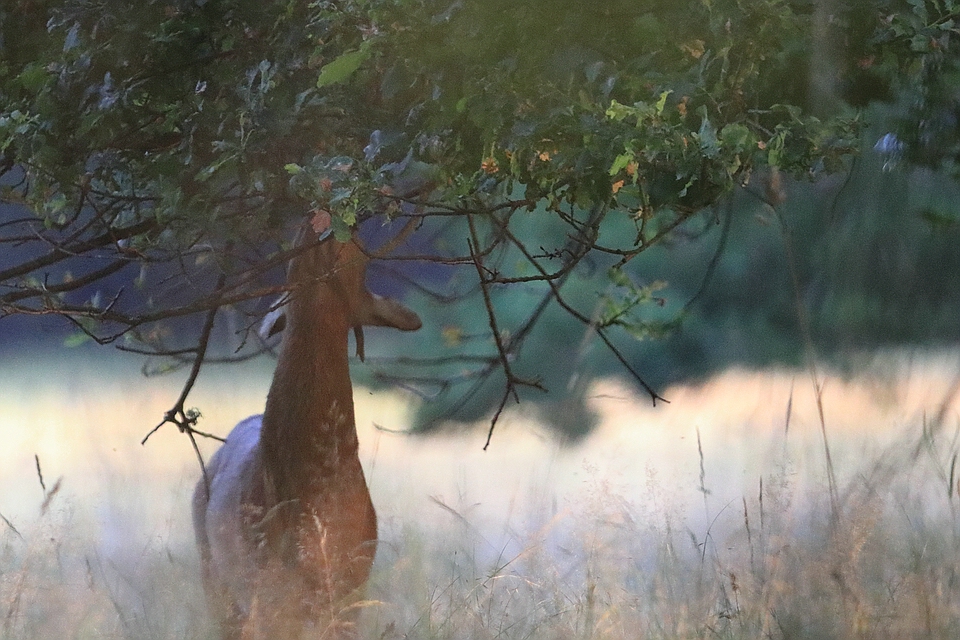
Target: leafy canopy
{"x":196,"y":114}
{"x":189,"y":135}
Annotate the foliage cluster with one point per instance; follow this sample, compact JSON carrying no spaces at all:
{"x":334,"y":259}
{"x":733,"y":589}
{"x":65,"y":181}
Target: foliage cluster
{"x":164,"y":149}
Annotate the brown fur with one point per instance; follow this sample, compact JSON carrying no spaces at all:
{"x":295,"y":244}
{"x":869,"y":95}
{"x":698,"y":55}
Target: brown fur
{"x":286,"y":529}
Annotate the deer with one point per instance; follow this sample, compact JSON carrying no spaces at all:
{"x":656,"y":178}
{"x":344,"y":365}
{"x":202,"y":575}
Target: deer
{"x":283,"y":518}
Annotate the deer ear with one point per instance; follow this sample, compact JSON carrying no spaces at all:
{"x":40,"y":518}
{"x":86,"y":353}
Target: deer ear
{"x":358,"y":335}
{"x":384,"y":312}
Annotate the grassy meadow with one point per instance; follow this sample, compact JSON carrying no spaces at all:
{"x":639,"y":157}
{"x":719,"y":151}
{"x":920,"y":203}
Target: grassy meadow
{"x":719,"y":515}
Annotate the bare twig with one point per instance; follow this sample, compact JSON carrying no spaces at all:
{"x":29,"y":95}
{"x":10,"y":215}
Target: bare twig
{"x":512,"y":381}
{"x":178,"y":415}
{"x":59,"y":253}
{"x":601,"y":332}
{"x":67,"y":285}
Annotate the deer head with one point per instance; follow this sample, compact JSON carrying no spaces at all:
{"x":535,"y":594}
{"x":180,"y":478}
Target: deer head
{"x":341,"y":267}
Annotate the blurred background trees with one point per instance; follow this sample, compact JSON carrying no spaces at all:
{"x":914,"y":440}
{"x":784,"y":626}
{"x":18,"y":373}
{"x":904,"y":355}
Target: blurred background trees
{"x":656,"y":189}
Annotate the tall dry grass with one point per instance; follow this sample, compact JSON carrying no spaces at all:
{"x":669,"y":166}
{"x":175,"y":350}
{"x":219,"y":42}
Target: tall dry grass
{"x":711,"y":517}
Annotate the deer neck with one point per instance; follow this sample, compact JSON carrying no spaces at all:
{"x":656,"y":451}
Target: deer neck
{"x":309,"y":433}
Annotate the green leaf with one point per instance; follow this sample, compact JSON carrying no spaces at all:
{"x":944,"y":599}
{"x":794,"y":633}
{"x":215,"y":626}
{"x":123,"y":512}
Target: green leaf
{"x":775,"y":149}
{"x":341,"y":229}
{"x":33,"y":77}
{"x":344,"y":66}
{"x":56,"y":204}
{"x":737,"y":136}
{"x":708,"y":136}
{"x":619,"y":278}
{"x":620,"y":163}
{"x":938,"y":218}
{"x":76,"y":339}
{"x":662,"y":102}
{"x":618,"y":112}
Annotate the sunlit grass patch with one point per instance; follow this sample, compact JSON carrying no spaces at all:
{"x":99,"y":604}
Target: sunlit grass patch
{"x":709,"y":518}
{"x":881,"y":559}
{"x":56,"y":581}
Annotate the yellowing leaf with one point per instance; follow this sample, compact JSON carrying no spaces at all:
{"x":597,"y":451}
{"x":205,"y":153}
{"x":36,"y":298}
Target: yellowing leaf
{"x":452,"y":335}
{"x":696,"y":48}
{"x":320,"y":221}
